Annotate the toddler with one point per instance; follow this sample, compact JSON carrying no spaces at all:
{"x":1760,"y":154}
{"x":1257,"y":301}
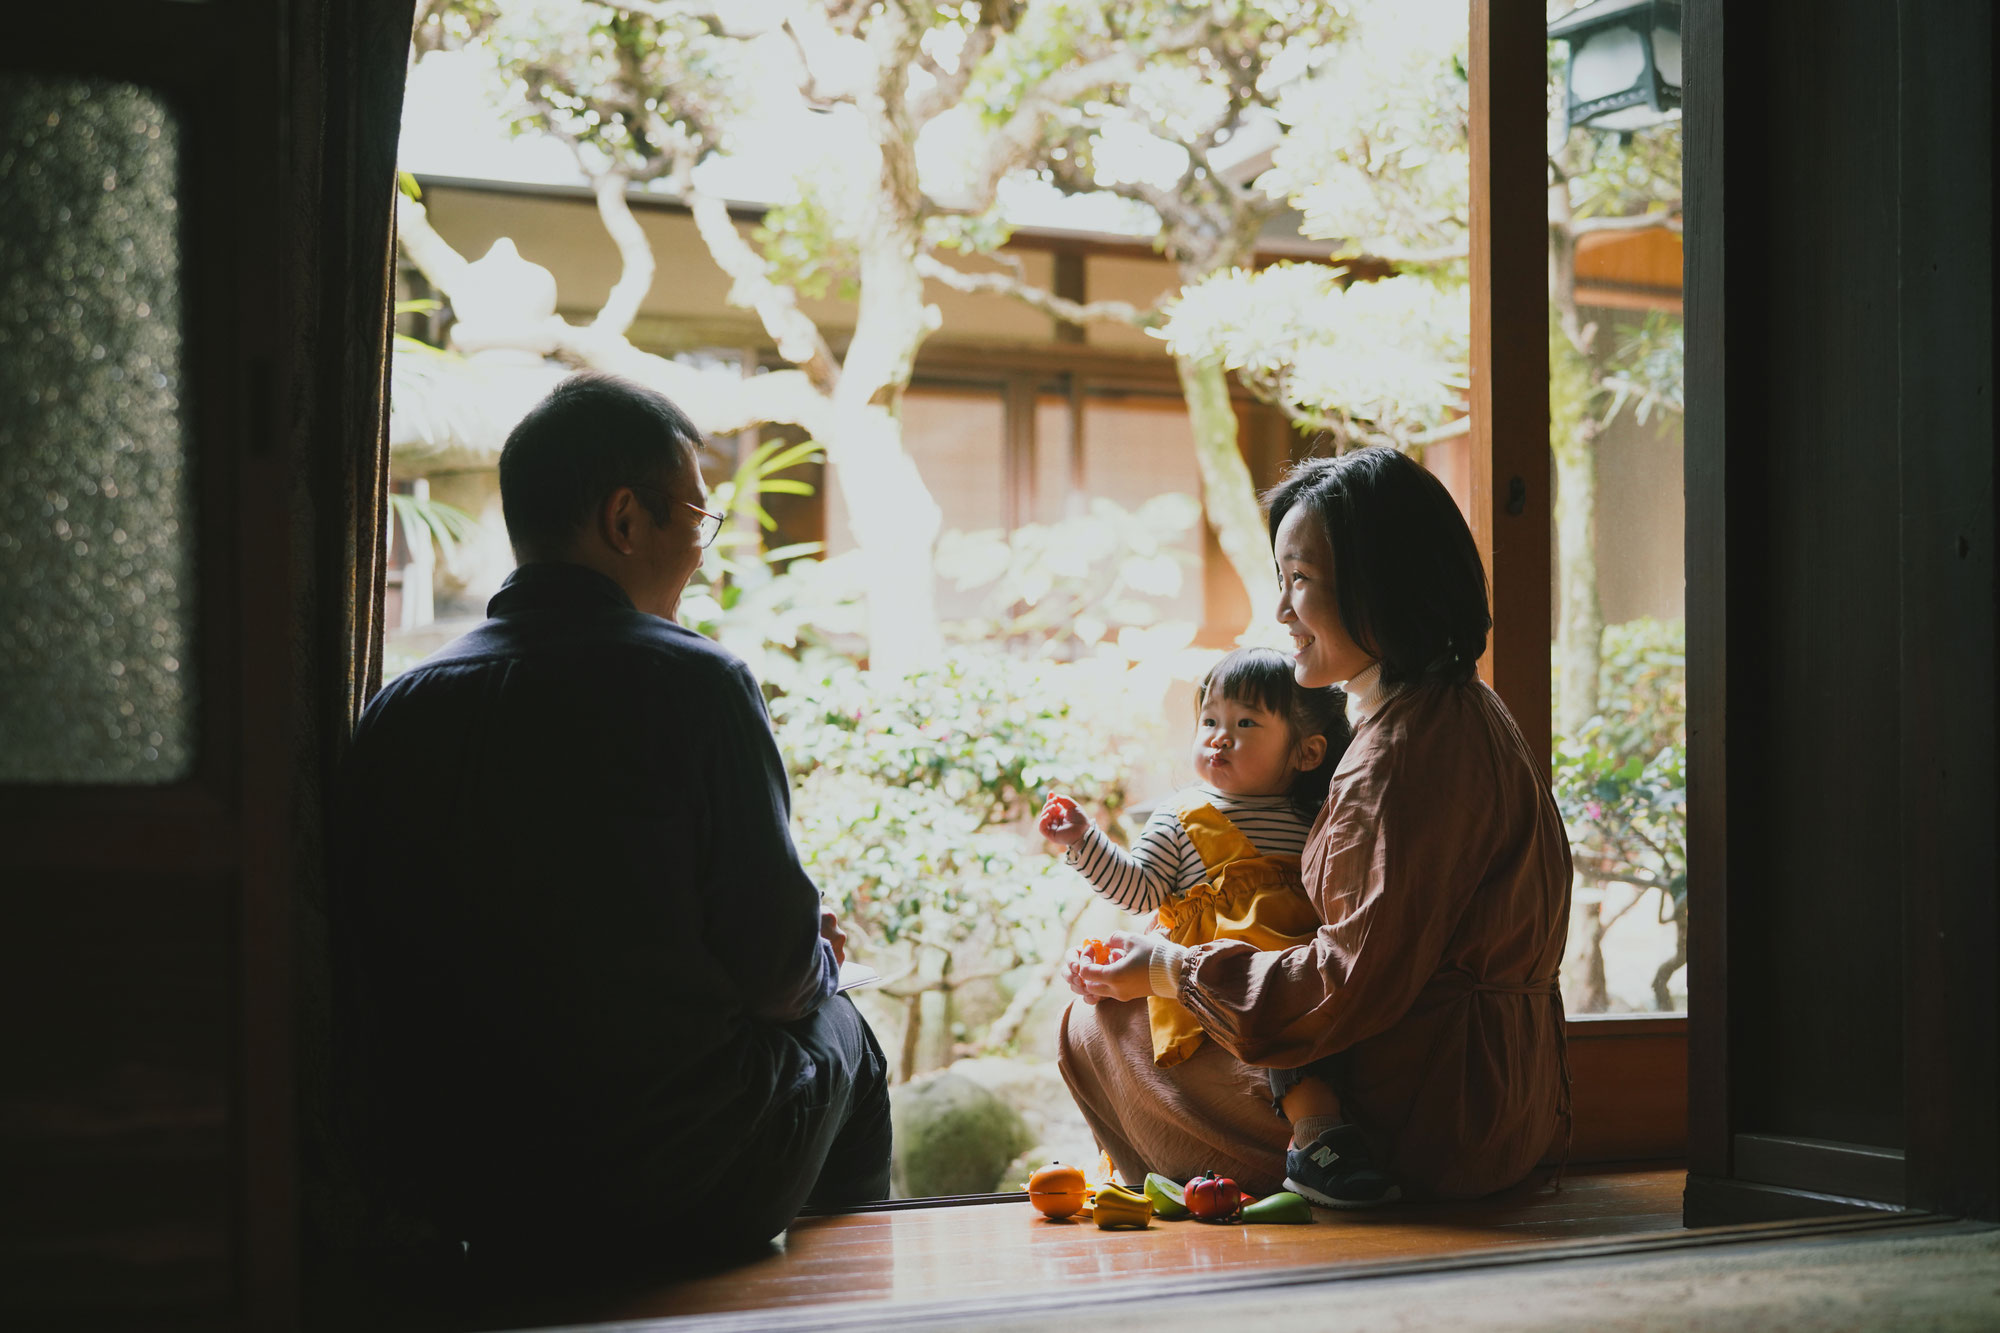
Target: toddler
{"x":1220,"y":860}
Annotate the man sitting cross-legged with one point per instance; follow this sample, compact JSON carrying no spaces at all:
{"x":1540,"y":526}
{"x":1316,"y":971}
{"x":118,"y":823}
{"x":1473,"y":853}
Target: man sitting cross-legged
{"x":584,"y":989}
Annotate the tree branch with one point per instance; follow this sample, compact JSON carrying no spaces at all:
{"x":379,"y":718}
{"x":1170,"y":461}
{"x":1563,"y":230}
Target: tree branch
{"x":1038,"y":298}
{"x":434,"y":256}
{"x":717,"y":402}
{"x":635,"y":255}
{"x":810,"y":90}
{"x":777,"y":306}
{"x":996,"y":18}
{"x":1013,"y":144}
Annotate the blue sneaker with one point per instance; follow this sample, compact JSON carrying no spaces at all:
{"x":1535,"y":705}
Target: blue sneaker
{"x":1338,"y":1170}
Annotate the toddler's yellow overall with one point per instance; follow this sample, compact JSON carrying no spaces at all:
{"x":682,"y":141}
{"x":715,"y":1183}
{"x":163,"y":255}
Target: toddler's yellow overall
{"x":1257,"y":899}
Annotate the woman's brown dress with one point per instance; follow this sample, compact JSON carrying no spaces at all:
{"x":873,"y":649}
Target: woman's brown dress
{"x":1442,"y":874}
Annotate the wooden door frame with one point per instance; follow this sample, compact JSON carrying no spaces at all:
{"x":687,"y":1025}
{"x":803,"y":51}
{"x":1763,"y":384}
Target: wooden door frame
{"x":1507,"y":72}
{"x":1631,"y":1073}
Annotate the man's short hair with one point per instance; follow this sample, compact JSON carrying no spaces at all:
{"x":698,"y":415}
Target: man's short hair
{"x":1408,"y":581}
{"x":592,"y":435}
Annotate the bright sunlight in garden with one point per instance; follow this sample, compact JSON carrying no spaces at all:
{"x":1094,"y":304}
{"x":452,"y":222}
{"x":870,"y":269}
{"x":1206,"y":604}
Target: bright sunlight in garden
{"x":997,"y":317}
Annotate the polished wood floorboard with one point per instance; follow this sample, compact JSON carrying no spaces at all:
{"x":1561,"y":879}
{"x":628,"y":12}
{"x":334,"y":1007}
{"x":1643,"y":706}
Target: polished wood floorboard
{"x":998,"y":1250}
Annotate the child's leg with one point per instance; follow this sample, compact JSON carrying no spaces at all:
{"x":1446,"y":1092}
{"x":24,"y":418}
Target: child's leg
{"x":1312,"y":1106}
{"x":1330,"y":1162}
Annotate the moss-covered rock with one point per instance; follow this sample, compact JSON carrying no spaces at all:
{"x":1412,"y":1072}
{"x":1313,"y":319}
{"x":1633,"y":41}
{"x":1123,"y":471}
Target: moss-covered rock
{"x":953,"y":1137}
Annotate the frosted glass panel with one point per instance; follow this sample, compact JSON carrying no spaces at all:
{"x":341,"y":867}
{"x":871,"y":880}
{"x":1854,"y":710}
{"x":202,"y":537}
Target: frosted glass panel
{"x":97,"y":680}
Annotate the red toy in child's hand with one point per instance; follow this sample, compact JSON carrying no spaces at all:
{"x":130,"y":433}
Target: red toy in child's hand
{"x":1097,"y":951}
{"x":1213,"y":1198}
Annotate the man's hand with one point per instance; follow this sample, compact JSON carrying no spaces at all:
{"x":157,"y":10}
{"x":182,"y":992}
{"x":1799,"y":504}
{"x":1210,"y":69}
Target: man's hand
{"x":830,"y":931}
{"x":1125,"y":977}
{"x":1062,"y":822}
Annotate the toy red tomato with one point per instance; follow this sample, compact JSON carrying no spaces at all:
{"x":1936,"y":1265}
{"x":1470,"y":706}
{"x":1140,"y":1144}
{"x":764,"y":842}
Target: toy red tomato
{"x":1213,"y":1198}
{"x":1097,"y":951}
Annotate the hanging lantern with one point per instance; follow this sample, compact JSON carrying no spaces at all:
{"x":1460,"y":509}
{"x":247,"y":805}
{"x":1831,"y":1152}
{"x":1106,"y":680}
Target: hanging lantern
{"x":1624,"y":63}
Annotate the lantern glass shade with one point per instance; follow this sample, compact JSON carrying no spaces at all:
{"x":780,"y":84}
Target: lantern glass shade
{"x":1624,"y":63}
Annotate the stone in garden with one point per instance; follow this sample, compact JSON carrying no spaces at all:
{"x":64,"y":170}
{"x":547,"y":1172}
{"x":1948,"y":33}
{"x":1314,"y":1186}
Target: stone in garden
{"x":953,"y":1137}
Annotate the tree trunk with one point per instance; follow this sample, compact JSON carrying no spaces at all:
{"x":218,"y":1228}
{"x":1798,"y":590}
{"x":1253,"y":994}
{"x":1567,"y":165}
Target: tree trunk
{"x":1663,"y":998}
{"x":895,"y":524}
{"x":913,"y":1027}
{"x":1589,"y":993}
{"x":891,"y":512}
{"x":1227,"y":491}
{"x":1580,"y":621}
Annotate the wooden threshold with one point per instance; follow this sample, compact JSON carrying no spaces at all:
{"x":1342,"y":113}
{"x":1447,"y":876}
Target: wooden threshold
{"x":1254,"y":1294}
{"x":1002,"y":1253}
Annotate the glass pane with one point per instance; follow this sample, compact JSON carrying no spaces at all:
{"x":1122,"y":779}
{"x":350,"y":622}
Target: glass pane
{"x":1619,"y":672}
{"x":97,"y":680}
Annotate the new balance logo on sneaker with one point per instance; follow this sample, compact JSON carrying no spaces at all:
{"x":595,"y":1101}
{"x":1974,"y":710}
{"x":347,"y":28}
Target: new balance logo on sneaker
{"x":1343,"y":1177}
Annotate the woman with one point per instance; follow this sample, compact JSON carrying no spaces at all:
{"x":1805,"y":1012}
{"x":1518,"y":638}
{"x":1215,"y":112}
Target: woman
{"x":1441,"y":873}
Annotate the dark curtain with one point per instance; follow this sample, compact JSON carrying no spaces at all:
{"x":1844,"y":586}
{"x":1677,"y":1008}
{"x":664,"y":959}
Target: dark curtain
{"x":349,"y":99}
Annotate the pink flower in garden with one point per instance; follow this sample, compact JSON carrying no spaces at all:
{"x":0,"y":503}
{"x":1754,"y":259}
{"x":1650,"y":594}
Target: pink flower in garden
{"x":1594,"y":810}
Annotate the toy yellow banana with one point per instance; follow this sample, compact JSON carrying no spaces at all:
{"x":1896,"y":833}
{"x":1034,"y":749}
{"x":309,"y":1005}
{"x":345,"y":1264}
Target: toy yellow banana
{"x":1116,"y":1206}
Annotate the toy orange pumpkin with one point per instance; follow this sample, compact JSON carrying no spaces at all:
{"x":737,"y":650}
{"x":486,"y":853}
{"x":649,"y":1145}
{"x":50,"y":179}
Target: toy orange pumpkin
{"x":1057,"y":1190}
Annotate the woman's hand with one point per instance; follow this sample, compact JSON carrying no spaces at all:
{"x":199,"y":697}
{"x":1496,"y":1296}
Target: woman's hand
{"x":1125,"y":977}
{"x":1062,"y":822}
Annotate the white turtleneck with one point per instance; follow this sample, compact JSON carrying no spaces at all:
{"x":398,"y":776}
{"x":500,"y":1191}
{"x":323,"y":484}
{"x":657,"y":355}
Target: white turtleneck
{"x":1366,"y":693}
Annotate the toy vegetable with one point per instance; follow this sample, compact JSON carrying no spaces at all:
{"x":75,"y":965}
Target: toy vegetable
{"x":1168,"y":1205}
{"x":1213,"y":1198}
{"x":1116,"y":1206}
{"x":1284,"y":1206}
{"x":1057,"y":1190}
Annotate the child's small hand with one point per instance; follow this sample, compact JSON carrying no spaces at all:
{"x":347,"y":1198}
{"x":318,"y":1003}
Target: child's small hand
{"x":1062,"y":822}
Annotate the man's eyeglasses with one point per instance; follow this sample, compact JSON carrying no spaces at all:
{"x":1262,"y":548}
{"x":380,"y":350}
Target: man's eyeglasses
{"x":706,"y":524}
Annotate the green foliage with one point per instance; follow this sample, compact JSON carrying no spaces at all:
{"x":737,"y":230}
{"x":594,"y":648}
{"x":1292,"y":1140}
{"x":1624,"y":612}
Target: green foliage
{"x":1621,"y":781}
{"x":1613,"y":175}
{"x":1376,"y":155}
{"x":806,"y":247}
{"x":1649,"y":368}
{"x":1375,"y":362}
{"x":425,"y":520}
{"x":448,"y":25}
{"x":736,"y":582}
{"x":640,"y":91}
{"x":966,"y":233}
{"x":913,"y":793}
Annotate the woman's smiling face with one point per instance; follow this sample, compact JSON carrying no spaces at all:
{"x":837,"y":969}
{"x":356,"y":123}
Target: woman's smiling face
{"x":1322,"y":651}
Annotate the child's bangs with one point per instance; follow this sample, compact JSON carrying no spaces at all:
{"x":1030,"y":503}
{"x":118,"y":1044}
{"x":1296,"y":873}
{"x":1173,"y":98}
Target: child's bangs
{"x":1258,"y":677}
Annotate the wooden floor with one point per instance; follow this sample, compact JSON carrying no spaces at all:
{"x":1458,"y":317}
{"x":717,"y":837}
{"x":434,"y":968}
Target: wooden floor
{"x":1003,"y":1249}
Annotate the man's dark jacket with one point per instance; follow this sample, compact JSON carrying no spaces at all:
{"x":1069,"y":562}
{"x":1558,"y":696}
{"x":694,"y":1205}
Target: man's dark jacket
{"x":568,"y":914}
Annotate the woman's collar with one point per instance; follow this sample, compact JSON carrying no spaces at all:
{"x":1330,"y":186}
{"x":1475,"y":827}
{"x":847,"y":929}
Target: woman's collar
{"x":1366,"y":693}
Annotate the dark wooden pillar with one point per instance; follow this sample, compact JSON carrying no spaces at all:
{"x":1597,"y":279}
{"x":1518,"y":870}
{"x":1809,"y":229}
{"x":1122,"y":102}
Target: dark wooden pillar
{"x":1510,"y":352}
